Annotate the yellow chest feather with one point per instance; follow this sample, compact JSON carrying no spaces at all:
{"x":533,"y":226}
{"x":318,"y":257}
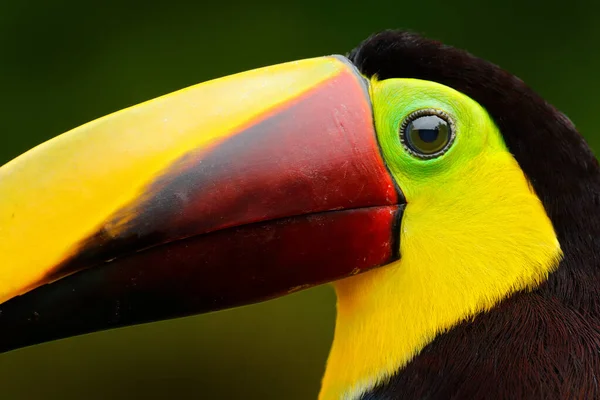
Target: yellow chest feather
{"x":459,"y":257}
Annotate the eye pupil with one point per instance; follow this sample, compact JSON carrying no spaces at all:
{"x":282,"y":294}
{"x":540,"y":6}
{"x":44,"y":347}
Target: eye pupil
{"x":427,"y":133}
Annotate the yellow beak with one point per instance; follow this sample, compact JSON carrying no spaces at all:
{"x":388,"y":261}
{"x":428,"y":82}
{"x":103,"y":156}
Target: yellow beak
{"x":226,"y":193}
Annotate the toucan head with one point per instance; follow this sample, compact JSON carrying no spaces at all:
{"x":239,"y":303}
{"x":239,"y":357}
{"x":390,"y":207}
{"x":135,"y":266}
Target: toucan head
{"x":407,"y":189}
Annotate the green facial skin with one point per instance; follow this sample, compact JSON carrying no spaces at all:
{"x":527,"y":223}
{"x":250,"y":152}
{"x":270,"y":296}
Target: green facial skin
{"x":474,"y":130}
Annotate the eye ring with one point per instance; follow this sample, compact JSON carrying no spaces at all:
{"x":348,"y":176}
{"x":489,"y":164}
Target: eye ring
{"x":427,"y":133}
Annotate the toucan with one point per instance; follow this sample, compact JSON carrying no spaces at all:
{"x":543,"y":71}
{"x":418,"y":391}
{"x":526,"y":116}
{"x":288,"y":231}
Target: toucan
{"x":454,"y":211}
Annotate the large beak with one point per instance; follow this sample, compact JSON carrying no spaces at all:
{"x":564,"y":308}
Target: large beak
{"x":226,"y":193}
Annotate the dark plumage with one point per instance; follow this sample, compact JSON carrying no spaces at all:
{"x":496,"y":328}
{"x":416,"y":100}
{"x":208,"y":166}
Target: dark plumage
{"x":543,"y":344}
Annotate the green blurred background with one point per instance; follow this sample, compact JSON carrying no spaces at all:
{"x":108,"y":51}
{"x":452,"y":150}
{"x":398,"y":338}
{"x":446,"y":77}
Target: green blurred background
{"x":63,"y":63}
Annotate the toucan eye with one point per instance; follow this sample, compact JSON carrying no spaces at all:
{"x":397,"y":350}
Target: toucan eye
{"x":427,"y":133}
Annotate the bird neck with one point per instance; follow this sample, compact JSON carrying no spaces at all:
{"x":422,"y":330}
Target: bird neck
{"x":541,"y":343}
{"x":387,"y":316}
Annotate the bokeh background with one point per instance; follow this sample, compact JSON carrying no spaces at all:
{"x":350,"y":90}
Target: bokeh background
{"x":66,"y":62}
